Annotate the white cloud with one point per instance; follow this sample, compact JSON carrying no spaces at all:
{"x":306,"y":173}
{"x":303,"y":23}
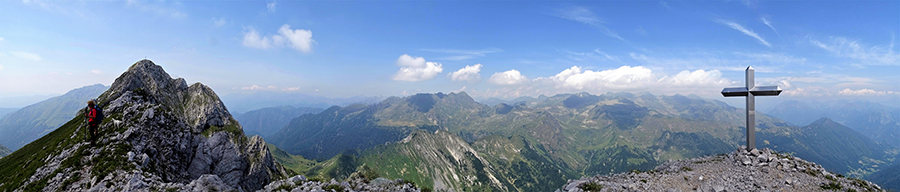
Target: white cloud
{"x":470,"y":73}
{"x":26,"y":55}
{"x":254,"y":87}
{"x":864,"y":92}
{"x":586,"y":16}
{"x":416,"y":69}
{"x":874,"y":55}
{"x":510,"y":77}
{"x":270,"y":88}
{"x":299,"y":39}
{"x":746,"y":31}
{"x":623,"y":77}
{"x":804,"y":92}
{"x":96,"y":71}
{"x":219,"y":22}
{"x":253,"y":40}
{"x":637,"y":78}
{"x":697,"y":78}
{"x":271,"y":6}
{"x":768,"y":23}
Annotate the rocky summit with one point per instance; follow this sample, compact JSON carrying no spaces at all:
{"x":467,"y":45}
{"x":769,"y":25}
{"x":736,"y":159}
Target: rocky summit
{"x":158,"y":134}
{"x":742,"y":170}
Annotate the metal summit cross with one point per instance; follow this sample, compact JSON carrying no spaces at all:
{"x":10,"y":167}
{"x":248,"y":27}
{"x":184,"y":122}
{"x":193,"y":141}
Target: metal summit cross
{"x":750,"y":91}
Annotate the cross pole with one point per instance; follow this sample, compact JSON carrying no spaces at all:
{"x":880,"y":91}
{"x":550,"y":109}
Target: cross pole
{"x":749,"y":91}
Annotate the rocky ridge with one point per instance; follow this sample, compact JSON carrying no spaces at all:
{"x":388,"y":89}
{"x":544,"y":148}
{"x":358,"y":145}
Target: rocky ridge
{"x":756,"y":170}
{"x":158,"y":134}
{"x":301,"y":183}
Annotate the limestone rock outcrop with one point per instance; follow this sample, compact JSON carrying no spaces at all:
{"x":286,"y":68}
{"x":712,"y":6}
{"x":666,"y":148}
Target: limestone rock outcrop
{"x":158,"y":134}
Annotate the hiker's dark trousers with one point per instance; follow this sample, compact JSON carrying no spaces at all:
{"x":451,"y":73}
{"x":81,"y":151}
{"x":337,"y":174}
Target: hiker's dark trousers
{"x":92,"y":130}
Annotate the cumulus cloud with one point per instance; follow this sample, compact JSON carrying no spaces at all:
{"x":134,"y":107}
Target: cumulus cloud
{"x":697,"y":77}
{"x":298,"y":39}
{"x":292,"y":89}
{"x":637,"y":78}
{"x":625,"y":76}
{"x":416,"y":69}
{"x":864,"y":92}
{"x":470,"y":73}
{"x":253,"y":40}
{"x":746,"y":31}
{"x":26,"y":55}
{"x":511,"y":77}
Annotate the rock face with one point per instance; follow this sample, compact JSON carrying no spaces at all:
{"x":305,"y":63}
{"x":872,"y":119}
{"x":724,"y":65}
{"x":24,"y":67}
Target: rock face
{"x":159,"y":134}
{"x":756,"y":170}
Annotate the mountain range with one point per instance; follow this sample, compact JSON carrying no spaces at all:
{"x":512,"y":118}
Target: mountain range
{"x":449,"y":141}
{"x":5,"y":111}
{"x":266,"y":121}
{"x":31,"y":122}
{"x":874,"y":120}
{"x":244,"y":102}
{"x":163,"y":134}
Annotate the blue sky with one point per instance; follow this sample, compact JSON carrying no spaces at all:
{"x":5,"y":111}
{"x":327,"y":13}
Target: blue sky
{"x":506,"y":49}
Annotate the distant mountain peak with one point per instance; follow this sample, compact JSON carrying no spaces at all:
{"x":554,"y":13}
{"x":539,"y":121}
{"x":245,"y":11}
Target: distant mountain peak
{"x":823,"y":120}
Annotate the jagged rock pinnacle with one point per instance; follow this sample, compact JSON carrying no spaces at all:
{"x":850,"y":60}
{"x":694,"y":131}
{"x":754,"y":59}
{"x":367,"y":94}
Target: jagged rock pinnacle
{"x":197,"y":102}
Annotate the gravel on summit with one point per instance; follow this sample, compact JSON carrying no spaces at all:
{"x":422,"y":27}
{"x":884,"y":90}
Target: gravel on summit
{"x":756,"y":170}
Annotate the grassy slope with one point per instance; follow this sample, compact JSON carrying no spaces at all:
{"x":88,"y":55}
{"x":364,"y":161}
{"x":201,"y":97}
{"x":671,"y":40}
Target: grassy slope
{"x":22,"y":164}
{"x":295,"y":163}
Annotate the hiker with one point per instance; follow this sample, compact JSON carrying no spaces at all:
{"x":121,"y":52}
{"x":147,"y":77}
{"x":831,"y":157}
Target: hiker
{"x":93,"y":118}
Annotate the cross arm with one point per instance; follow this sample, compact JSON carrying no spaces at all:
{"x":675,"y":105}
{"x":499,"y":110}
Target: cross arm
{"x":735,"y":92}
{"x":766,"y":91}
